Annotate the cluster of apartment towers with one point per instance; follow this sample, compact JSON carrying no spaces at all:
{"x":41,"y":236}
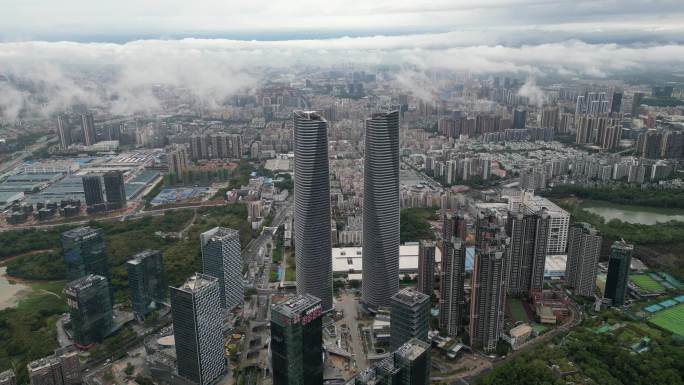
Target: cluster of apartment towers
{"x":509,"y":259}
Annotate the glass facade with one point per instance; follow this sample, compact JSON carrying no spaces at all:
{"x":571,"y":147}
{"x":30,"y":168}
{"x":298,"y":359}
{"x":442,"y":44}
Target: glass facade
{"x":90,"y":308}
{"x":146,"y":282}
{"x":297,"y":342}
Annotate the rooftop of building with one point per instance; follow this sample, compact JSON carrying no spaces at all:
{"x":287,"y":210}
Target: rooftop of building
{"x":221,"y":232}
{"x":138,"y":258}
{"x":42,"y":363}
{"x":296,"y":305}
{"x":84,"y":282}
{"x":622,"y":245}
{"x":427,"y":243}
{"x":535,"y":203}
{"x":520,"y":330}
{"x":349,"y":260}
{"x":6,"y":375}
{"x":410,"y":296}
{"x":412,"y":349}
{"x":589,"y":229}
{"x":310,"y":115}
{"x":197,"y":281}
{"x":80,"y":232}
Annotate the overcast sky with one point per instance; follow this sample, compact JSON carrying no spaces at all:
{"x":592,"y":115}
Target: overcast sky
{"x":122,"y":20}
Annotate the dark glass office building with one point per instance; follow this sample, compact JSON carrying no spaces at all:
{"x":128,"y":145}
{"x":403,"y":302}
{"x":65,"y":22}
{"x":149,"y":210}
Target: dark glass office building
{"x":297,"y":341}
{"x":84,"y":253}
{"x":90,"y":308}
{"x":410,"y":317}
{"x":92,"y":187}
{"x":114,"y":187}
{"x":146,"y":282}
{"x":618,"y":272}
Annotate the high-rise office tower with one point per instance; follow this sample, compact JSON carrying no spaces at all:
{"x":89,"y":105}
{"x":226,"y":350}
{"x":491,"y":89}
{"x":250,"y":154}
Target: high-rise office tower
{"x":584,"y":248}
{"x":114,"y":188}
{"x":146,"y":282}
{"x":618,"y":272}
{"x":488,"y":297}
{"x":519,"y":118}
{"x":636,"y":103}
{"x":90,"y":307}
{"x":452,"y":286}
{"x":297,"y":341}
{"x":88,"y":126}
{"x":221,"y":259}
{"x":63,"y":132}
{"x":8,"y":377}
{"x":529,"y":235}
{"x":616,"y":103}
{"x":84,"y":253}
{"x":313,"y":242}
{"x":381,"y":210}
{"x":92,"y":187}
{"x":426,"y":266}
{"x":409,"y":317}
{"x":408,"y":365}
{"x":197,"y":328}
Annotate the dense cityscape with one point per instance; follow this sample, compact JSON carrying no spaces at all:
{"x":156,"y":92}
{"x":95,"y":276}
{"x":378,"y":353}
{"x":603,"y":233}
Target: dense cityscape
{"x":363,"y":218}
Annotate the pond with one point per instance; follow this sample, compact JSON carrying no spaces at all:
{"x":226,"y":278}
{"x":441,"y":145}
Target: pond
{"x":633,"y":214}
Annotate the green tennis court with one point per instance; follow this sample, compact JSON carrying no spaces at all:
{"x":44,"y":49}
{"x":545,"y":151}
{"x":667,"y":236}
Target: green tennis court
{"x":647,"y":283}
{"x":671,"y":319}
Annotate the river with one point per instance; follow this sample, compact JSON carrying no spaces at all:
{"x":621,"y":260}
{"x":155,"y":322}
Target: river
{"x":10,"y":292}
{"x":633,"y":214}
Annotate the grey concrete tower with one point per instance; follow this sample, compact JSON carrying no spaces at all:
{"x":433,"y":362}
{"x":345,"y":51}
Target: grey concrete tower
{"x":380,"y":280}
{"x":313,"y":246}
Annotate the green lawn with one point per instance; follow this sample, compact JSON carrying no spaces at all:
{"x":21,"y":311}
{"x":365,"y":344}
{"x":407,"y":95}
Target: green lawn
{"x":647,"y":283}
{"x":517,"y":310}
{"x":52,"y":286}
{"x":671,"y":319}
{"x":291,"y":269}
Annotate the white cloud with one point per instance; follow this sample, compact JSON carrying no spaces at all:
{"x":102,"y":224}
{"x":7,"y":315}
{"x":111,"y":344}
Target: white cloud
{"x":121,"y":76}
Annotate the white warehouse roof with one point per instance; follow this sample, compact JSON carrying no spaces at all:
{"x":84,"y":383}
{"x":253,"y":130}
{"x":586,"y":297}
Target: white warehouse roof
{"x":348,"y":260}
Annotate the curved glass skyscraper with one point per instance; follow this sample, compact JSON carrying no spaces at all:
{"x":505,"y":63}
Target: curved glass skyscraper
{"x":380,"y":279}
{"x":313,"y":247}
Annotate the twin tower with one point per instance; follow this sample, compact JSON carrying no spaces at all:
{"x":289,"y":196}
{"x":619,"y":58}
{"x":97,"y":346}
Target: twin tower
{"x":313,"y":245}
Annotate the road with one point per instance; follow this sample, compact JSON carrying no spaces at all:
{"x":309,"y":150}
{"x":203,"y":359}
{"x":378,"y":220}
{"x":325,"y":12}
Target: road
{"x":121,"y":217}
{"x":25,"y":153}
{"x":257,"y":257}
{"x":349,"y":306}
